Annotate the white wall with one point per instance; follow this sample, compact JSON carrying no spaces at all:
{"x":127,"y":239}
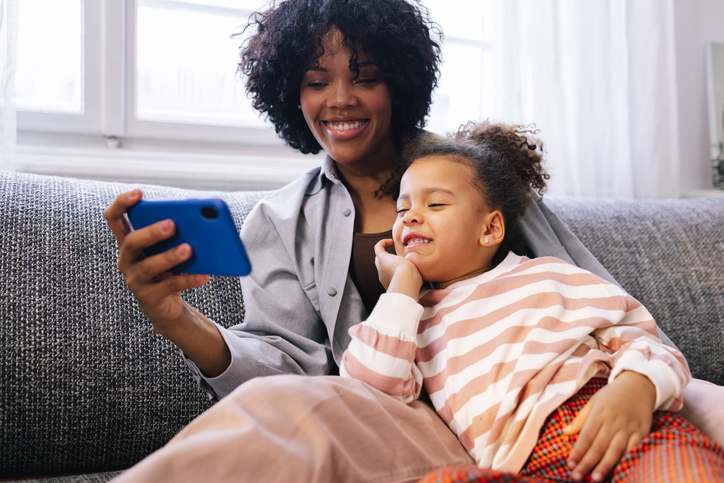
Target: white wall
{"x":696,"y":23}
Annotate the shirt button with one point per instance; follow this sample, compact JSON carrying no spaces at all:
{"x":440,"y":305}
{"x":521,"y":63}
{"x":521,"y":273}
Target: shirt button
{"x":332,"y":291}
{"x":347,"y":212}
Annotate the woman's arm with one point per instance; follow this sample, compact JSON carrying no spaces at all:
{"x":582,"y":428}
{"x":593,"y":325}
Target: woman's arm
{"x":283,"y":329}
{"x":159,"y":292}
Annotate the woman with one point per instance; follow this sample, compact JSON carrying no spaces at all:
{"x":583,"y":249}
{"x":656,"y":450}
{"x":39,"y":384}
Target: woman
{"x":352,"y":77}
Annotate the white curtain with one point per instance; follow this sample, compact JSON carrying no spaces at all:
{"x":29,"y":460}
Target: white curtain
{"x":598,"y":78}
{"x":8,"y":41}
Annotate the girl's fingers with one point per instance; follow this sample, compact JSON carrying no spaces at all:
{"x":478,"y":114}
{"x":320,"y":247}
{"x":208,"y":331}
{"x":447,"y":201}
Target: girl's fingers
{"x":585,"y":438}
{"x":579,"y":420}
{"x":381,"y":245}
{"x":610,"y":458}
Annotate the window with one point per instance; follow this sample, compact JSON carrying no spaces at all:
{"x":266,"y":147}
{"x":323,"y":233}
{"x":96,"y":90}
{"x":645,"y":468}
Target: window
{"x":466,"y":80}
{"x":160,"y":76}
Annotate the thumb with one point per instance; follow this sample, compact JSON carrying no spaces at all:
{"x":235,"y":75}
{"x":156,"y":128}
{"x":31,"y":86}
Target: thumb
{"x":578,"y":422}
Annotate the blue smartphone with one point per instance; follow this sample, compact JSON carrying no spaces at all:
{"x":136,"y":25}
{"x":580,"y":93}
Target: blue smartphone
{"x":206,"y":225}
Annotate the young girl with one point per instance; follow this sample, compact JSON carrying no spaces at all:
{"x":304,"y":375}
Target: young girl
{"x":509,"y":348}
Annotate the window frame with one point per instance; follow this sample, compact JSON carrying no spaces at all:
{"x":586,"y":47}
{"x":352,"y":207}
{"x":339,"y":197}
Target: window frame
{"x":107,"y":142}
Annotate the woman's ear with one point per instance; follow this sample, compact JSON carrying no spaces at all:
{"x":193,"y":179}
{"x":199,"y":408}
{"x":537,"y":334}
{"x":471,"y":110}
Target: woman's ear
{"x":493,"y":230}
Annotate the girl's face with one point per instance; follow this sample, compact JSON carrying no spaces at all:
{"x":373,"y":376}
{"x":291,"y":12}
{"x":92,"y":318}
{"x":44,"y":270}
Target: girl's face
{"x":441,"y":224}
{"x":349,"y":117}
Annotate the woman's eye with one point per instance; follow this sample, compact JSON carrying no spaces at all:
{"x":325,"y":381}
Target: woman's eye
{"x":369,"y":81}
{"x":402,"y":210}
{"x":315,"y":84}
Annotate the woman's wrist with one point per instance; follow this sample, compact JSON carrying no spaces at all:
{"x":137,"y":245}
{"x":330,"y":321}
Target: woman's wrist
{"x":200,"y":340}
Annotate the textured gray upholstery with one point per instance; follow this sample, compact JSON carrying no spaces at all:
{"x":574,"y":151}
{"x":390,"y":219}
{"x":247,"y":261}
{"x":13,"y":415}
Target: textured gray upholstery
{"x":669,"y":254}
{"x":88,"y":386}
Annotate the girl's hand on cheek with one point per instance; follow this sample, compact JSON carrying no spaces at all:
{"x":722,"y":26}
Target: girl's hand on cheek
{"x":397,"y":274}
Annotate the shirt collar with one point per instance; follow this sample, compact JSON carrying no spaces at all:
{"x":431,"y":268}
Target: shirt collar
{"x":329,"y":169}
{"x":509,"y":262}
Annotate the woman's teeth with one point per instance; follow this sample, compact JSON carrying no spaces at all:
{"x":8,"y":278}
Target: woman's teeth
{"x":345,"y":126}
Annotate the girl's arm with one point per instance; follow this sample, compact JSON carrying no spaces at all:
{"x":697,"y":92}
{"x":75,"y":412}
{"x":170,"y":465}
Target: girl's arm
{"x":382,"y":351}
{"x":646,"y":375}
{"x":634,"y":345}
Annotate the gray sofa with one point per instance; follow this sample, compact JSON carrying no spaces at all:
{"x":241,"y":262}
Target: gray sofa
{"x":87,"y":386}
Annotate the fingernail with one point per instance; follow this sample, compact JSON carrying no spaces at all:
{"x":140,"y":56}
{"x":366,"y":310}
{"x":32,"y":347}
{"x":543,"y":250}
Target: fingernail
{"x":166,"y":226}
{"x":576,"y":476}
{"x":135,"y":193}
{"x":597,"y":477}
{"x":182,"y":249}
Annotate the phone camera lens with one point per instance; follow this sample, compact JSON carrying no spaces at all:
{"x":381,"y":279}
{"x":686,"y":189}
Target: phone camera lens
{"x":209,"y":212}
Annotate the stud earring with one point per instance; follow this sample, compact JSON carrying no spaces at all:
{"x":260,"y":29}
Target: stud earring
{"x":299,"y":106}
{"x":486,"y":240}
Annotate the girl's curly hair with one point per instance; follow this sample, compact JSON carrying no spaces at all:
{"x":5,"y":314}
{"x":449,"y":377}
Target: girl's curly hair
{"x":287,"y":38}
{"x":507,"y":164}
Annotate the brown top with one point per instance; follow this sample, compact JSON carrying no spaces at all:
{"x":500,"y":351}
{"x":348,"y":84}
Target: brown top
{"x":362,"y":268}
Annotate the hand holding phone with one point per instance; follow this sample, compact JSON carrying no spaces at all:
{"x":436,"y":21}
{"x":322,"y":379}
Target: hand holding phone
{"x":206,"y":225}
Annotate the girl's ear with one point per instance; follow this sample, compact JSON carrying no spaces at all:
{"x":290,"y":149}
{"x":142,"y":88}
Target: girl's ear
{"x":493,"y":229}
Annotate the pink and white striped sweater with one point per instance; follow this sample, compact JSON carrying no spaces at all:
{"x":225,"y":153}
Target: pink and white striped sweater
{"x":499,"y":352}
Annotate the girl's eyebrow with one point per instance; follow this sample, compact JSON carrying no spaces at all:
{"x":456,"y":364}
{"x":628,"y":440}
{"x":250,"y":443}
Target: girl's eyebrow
{"x":427,"y":191}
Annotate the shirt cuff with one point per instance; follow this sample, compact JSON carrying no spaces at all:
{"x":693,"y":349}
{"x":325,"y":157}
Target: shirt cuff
{"x":396,"y":312}
{"x":661,"y":376}
{"x":223,"y":384}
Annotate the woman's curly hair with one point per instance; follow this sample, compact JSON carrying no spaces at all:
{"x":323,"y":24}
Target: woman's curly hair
{"x":507,"y":162}
{"x":287,"y":38}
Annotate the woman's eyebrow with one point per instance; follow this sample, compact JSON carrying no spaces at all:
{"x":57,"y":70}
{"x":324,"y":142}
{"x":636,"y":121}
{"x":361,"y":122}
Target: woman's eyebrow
{"x":316,"y":68}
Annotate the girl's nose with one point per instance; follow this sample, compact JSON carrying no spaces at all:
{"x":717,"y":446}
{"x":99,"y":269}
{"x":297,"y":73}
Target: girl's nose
{"x":411,"y":216}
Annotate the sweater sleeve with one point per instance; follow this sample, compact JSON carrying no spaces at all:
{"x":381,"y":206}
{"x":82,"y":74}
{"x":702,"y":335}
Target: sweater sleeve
{"x":382,"y":351}
{"x":634,"y":346}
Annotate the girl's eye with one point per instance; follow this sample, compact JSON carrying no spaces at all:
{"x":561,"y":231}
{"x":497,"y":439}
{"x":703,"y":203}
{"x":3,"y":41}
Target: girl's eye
{"x":402,"y":210}
{"x":436,"y":205}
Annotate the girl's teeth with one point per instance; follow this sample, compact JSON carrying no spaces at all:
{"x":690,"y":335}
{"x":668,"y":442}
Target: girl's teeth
{"x":345,"y":126}
{"x":418,"y":240}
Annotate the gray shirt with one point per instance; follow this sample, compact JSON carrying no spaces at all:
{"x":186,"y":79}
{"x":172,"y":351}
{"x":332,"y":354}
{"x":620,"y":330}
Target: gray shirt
{"x":299,"y":298}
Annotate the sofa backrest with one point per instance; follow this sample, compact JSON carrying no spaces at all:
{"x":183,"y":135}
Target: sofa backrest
{"x":668,"y":254}
{"x":87,"y":384}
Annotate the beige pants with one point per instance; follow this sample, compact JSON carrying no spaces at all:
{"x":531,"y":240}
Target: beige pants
{"x":305,"y":429}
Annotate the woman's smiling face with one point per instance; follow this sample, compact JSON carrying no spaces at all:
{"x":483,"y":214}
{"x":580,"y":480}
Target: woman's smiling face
{"x":350,"y":117}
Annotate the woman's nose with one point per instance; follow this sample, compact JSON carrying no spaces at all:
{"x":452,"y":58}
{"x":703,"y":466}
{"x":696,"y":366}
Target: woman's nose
{"x":342,"y":95}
